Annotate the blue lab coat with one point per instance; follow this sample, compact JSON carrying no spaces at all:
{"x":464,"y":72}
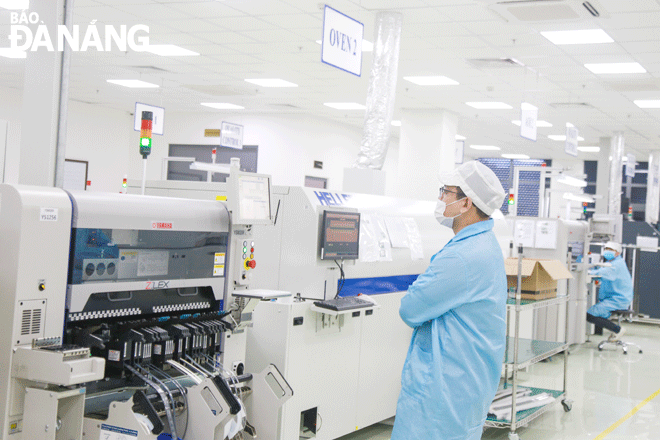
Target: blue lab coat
{"x":616,"y":289}
{"x":457,"y":309}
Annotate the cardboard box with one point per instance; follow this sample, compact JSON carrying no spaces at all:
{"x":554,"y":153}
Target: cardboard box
{"x":539,"y":277}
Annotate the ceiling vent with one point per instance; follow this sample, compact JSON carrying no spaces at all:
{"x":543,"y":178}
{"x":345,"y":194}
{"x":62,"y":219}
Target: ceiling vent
{"x":571,"y":105}
{"x":494,"y":63}
{"x":531,"y":11}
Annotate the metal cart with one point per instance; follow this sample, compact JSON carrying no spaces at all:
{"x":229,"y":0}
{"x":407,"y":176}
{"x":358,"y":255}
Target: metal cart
{"x":521,"y":353}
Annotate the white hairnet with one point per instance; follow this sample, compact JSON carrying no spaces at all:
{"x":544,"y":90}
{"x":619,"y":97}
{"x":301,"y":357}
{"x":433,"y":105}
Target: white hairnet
{"x":613,"y":245}
{"x":479,"y":183}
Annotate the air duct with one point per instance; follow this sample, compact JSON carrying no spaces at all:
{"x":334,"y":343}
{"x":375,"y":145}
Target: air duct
{"x":382,"y":91}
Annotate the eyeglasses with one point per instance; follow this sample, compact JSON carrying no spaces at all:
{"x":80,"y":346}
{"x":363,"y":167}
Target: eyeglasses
{"x":444,"y":190}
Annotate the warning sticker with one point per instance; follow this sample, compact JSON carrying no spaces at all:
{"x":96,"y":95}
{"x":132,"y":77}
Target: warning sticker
{"x":109,"y":432}
{"x":219,"y":270}
{"x":114,"y":355}
{"x":219,"y":258}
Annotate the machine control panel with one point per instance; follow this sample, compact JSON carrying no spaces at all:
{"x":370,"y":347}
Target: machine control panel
{"x":244,"y":253}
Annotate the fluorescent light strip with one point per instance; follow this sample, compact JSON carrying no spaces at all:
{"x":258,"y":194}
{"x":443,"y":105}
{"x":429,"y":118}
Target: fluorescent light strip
{"x":459,"y":137}
{"x":396,"y":123}
{"x":587,"y":149}
{"x":647,"y":103}
{"x":431,"y":80}
{"x":562,"y":137}
{"x":345,"y":105}
{"x":612,"y":68}
{"x":222,"y":105}
{"x":491,"y":105}
{"x":8,"y":52}
{"x":485,"y":147}
{"x":170,"y":50}
{"x":572,"y":181}
{"x":271,"y":82}
{"x":133,"y":83}
{"x":588,"y":36}
{"x":539,"y":124}
{"x":515,"y":156}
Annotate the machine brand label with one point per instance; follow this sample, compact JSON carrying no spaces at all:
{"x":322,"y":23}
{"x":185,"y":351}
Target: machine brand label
{"x":109,"y":432}
{"x":331,"y":199}
{"x":161,"y":225}
{"x":157,"y":285}
{"x":48,"y":215}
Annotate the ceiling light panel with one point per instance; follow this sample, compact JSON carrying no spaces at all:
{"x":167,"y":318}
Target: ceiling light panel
{"x":431,"y":80}
{"x":587,"y":36}
{"x":589,"y":149}
{"x":271,"y":82}
{"x":460,"y":138}
{"x":222,"y":105}
{"x":647,"y":103}
{"x":515,"y":156}
{"x":133,"y":83}
{"x":613,"y":68}
{"x":396,"y":123}
{"x":170,"y":50}
{"x":345,"y":105}
{"x":485,"y":147}
{"x":8,"y":52}
{"x":490,"y":105}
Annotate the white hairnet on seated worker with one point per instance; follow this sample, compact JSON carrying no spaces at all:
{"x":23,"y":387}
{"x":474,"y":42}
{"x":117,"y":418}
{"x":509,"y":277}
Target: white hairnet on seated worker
{"x":613,"y":245}
{"x":479,"y":183}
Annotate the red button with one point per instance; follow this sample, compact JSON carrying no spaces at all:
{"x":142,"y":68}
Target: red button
{"x":251,"y":249}
{"x":252,"y":264}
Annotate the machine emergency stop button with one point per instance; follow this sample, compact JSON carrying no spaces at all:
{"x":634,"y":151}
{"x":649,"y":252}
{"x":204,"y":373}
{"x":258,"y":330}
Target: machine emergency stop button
{"x":252,"y":264}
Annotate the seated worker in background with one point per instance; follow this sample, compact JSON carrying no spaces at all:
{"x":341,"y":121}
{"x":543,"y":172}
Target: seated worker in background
{"x":457,"y":309}
{"x":615,"y":293}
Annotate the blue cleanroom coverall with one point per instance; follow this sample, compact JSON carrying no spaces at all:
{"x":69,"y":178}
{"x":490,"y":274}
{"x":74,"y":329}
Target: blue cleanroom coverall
{"x":616,"y":289}
{"x":457,"y":309}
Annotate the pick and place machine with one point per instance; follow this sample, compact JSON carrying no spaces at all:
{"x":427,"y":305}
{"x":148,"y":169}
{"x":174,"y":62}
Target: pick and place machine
{"x":125,"y":315}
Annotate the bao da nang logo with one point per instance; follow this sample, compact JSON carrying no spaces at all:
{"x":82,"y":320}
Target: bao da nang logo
{"x":29,"y":33}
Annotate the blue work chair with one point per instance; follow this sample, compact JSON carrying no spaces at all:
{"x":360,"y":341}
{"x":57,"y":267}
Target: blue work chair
{"x":620,"y":315}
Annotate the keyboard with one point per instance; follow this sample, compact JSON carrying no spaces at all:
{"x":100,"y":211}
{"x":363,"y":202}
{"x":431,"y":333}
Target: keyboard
{"x":344,"y":303}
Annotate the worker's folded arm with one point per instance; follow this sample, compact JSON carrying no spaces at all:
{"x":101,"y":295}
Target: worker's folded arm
{"x":441,"y":288}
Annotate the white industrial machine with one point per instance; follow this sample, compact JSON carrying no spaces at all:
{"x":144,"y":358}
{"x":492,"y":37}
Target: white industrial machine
{"x":556,"y":239}
{"x":126,"y":315}
{"x":344,"y":365}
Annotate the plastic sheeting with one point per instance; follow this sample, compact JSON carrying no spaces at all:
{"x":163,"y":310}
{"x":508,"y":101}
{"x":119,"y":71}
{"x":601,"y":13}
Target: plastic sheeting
{"x":616,"y":152}
{"x":382,"y":91}
{"x":653,"y":189}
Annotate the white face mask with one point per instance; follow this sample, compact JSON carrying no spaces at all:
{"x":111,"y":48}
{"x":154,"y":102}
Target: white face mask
{"x":440,"y":213}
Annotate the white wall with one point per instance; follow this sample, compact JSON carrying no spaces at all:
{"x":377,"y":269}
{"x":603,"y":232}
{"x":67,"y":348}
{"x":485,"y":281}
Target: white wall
{"x":288,"y":145}
{"x":10,"y":111}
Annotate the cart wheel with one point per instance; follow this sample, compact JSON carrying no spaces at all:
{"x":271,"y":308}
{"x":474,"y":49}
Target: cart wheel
{"x":567,"y":405}
{"x":513,"y":436}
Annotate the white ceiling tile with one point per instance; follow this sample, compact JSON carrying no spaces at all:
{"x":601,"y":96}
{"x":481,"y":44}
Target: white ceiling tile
{"x":205,"y":9}
{"x":294,"y":21}
{"x":227,"y":38}
{"x":264,"y":7}
{"x":191,"y":25}
{"x":615,"y":6}
{"x":278,"y":35}
{"x":640,"y":34}
{"x":152,"y":12}
{"x":242,"y":24}
{"x":428,"y":30}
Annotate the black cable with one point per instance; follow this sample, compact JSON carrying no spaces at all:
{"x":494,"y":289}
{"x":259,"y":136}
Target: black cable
{"x":342,"y":278}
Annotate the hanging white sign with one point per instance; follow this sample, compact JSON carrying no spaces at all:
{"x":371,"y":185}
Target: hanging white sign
{"x":630,"y":166}
{"x":341,"y":46}
{"x":528,"y":116}
{"x":571,"y":140}
{"x":231,"y":135}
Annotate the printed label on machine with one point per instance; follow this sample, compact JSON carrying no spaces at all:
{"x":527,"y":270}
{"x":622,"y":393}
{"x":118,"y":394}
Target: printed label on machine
{"x":109,"y":432}
{"x":218,"y":270}
{"x":219,"y":258}
{"x":114,"y":355}
{"x":48,"y":215}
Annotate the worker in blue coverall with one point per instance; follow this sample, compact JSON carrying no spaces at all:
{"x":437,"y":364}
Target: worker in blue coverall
{"x":457,"y":309}
{"x":615,"y":292}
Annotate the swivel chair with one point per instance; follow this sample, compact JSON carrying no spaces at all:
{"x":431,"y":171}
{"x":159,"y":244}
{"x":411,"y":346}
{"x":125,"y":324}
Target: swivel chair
{"x":620,"y":315}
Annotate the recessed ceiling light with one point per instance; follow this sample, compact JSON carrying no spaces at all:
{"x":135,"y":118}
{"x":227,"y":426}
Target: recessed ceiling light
{"x":272,"y":82}
{"x":367,"y":46}
{"x":345,"y":105}
{"x":431,"y":80}
{"x":485,"y":147}
{"x":8,"y":52}
{"x":515,"y":156}
{"x":490,"y":105}
{"x":222,"y":105}
{"x":396,"y":123}
{"x":562,"y":137}
{"x":589,"y":149}
{"x":647,"y":103}
{"x":15,"y":4}
{"x":170,"y":50}
{"x":133,"y":83}
{"x":616,"y":68}
{"x":459,"y":137}
{"x":589,"y":36}
{"x":539,"y":124}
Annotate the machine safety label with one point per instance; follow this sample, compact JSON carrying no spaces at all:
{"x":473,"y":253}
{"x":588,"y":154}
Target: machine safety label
{"x":109,"y":432}
{"x":48,"y":215}
{"x":219,"y":270}
{"x":219,"y":258}
{"x":114,"y":355}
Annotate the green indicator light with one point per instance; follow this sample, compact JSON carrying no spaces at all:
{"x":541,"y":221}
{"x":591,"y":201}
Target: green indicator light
{"x":244,"y":250}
